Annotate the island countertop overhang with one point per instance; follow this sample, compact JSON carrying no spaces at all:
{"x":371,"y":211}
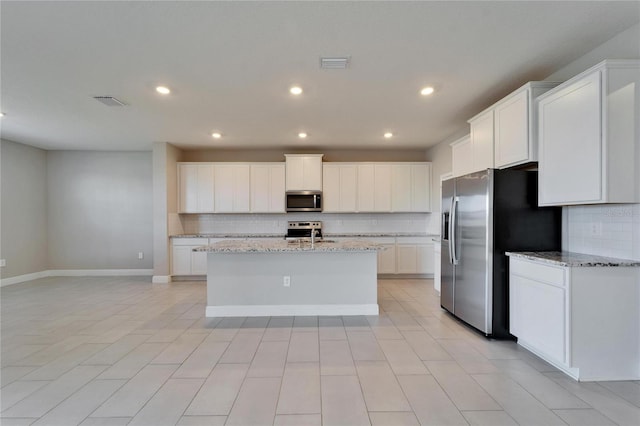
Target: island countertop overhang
{"x":274,"y":246}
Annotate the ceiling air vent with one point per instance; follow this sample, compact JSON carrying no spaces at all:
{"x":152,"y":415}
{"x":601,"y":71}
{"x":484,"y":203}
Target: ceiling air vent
{"x":335,"y":63}
{"x":109,"y":101}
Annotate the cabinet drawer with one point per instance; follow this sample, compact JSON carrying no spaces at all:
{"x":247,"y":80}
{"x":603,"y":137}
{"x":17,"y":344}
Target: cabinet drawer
{"x":190,"y":241}
{"x":553,"y":275}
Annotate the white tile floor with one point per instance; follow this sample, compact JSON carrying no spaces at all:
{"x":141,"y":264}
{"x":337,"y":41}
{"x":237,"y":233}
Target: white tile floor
{"x":118,"y":351}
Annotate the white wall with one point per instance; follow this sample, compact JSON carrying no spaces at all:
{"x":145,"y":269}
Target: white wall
{"x":625,"y":45}
{"x":99,"y":210}
{"x":23,"y":211}
{"x":165,"y":205}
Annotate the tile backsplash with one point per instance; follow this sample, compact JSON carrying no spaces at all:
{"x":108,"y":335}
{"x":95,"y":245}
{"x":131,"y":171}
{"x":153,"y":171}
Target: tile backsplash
{"x":332,"y":222}
{"x":606,"y":230}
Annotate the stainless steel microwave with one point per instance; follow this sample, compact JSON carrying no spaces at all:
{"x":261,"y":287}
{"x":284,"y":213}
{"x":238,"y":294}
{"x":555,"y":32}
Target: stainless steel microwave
{"x":304,"y":201}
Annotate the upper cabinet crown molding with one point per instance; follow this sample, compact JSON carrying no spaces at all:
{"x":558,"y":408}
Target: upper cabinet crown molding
{"x":589,"y":142}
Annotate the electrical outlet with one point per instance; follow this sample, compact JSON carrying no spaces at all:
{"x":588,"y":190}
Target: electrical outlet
{"x":3,"y":263}
{"x":596,"y":229}
{"x":140,"y":255}
{"x":286,"y":281}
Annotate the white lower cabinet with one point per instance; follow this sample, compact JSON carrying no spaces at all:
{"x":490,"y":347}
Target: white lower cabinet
{"x":414,"y":255}
{"x":583,"y":320}
{"x":387,"y":257}
{"x":185,"y":261}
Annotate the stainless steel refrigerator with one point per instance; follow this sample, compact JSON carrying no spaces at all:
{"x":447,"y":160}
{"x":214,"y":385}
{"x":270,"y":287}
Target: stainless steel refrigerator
{"x":485,"y":214}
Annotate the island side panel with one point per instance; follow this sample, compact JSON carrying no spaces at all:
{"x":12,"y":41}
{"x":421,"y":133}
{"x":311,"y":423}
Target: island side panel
{"x":321,"y":283}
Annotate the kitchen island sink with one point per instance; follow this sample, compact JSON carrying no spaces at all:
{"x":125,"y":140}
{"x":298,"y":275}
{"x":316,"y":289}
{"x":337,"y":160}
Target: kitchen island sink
{"x":283,"y":278}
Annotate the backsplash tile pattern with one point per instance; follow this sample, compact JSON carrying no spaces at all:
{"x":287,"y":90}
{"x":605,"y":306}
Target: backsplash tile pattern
{"x":331,"y":222}
{"x":606,"y":230}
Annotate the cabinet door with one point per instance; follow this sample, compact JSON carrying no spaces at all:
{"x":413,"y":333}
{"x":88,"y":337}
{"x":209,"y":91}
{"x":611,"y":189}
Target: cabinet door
{"x":304,"y":172}
{"x":425,"y":259}
{"x":348,"y":188}
{"x":570,"y":169}
{"x":366,"y":188}
{"x":482,"y":141}
{"x":260,"y":189}
{"x":511,"y":120}
{"x":387,"y":259}
{"x":382,"y":185}
{"x":224,"y":188}
{"x":198,"y":263}
{"x":188,"y":188}
{"x":312,"y":173}
{"x":462,"y":157}
{"x":331,"y":188}
{"x":277,"y":190}
{"x":401,"y":188}
{"x":181,"y":260}
{"x":232,"y":188}
{"x":205,"y":196}
{"x":241,"y":188}
{"x":406,"y":259}
{"x":421,"y":187}
{"x":538,"y":315}
{"x":295,"y":174}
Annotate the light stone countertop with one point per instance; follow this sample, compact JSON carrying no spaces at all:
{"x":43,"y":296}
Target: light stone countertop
{"x":272,"y":246}
{"x":326,"y":235}
{"x":567,"y":258}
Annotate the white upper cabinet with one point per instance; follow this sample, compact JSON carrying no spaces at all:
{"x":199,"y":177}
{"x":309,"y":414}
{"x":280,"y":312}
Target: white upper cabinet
{"x":303,"y":172}
{"x":382,"y":187}
{"x":195,"y":187}
{"x":503,"y":135}
{"x":339,"y":187}
{"x":589,"y":139}
{"x":515,"y":130}
{"x":421,"y":187}
{"x":366,"y":189}
{"x":401,"y":191}
{"x":462,"y":156}
{"x":232,"y":188}
{"x":267,"y":188}
{"x":482,"y":140}
{"x":410,"y":187}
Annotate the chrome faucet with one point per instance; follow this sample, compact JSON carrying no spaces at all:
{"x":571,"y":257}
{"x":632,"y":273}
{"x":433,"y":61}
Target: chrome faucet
{"x":314,"y":232}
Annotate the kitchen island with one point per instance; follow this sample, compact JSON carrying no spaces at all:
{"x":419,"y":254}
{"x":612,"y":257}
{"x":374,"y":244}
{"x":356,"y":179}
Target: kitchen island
{"x":284,"y":278}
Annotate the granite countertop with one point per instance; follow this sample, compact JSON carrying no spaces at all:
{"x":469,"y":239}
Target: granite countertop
{"x":567,"y":258}
{"x":326,"y":235}
{"x":228,"y":235}
{"x":269,"y":246}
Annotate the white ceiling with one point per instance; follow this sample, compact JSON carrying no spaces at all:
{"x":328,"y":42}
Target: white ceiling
{"x":230,"y":64}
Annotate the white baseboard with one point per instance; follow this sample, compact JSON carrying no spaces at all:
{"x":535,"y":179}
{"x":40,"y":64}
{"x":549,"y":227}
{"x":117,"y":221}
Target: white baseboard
{"x":99,"y":272}
{"x":22,"y":278}
{"x":75,"y":273}
{"x":161,"y":279}
{"x":289,"y":310}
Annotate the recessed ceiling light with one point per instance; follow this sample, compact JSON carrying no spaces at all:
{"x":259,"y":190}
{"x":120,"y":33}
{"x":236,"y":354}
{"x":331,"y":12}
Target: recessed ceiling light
{"x":302,"y":135}
{"x":388,"y":135}
{"x":1,"y":114}
{"x":163,"y":90}
{"x":295,"y":90}
{"x":426,"y":91}
{"x":216,"y":135}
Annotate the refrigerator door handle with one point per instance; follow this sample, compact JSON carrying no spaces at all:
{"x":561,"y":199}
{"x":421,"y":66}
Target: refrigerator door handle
{"x":453,"y":251}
